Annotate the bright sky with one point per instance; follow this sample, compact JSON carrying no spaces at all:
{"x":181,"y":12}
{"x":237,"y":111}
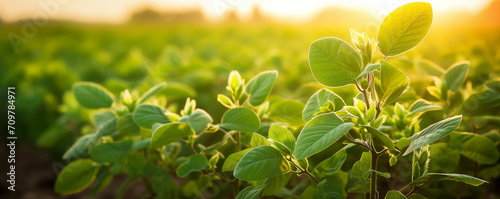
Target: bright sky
{"x":116,"y":11}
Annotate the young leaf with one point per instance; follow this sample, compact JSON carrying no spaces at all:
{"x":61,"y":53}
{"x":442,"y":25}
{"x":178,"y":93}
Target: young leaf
{"x":93,"y":96}
{"x":233,"y":159}
{"x":282,"y":135}
{"x":111,"y":152}
{"x":240,"y":119}
{"x":195,"y":163}
{"x":334,"y":62}
{"x":455,"y":76}
{"x":250,"y":192}
{"x":260,"y":86}
{"x":258,"y":140}
{"x":145,"y":115}
{"x":359,"y":181}
{"x":320,"y":99}
{"x":434,"y":177}
{"x":319,"y":133}
{"x":368,"y":69}
{"x":392,"y":194}
{"x":168,"y":133}
{"x":433,"y":132}
{"x":151,"y":92}
{"x":393,"y":83}
{"x":260,"y":163}
{"x":404,"y":28}
{"x":106,"y":123}
{"x":76,"y":176}
{"x":225,"y":101}
{"x":198,"y":119}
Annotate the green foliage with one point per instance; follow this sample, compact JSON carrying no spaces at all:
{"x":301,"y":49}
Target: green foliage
{"x":404,"y":28}
{"x":260,"y":86}
{"x":194,"y":163}
{"x":319,"y":133}
{"x":168,"y":133}
{"x":321,"y":102}
{"x":281,"y":146}
{"x":77,"y":176}
{"x":241,"y":119}
{"x":334,"y":62}
{"x":93,"y":96}
{"x":145,"y":115}
{"x":261,"y":163}
{"x":433,"y":132}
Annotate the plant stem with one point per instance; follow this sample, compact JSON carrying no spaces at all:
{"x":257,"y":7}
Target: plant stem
{"x":373,"y":183}
{"x":238,"y":142}
{"x":304,"y":171}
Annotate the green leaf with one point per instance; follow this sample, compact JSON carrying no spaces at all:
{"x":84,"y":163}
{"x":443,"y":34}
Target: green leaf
{"x":195,"y":163}
{"x":240,"y":119}
{"x":258,"y":140}
{"x":198,"y":119}
{"x":433,"y":132}
{"x":368,"y":69}
{"x":394,"y":195}
{"x":421,"y":106}
{"x":380,"y":173}
{"x":359,"y":181}
{"x":233,"y":159}
{"x":225,"y":101}
{"x":141,"y":144}
{"x":151,"y":92}
{"x":260,"y":86}
{"x":333,"y":163}
{"x":168,"y":133}
{"x":485,"y":102}
{"x":393,"y":83}
{"x":76,"y":176}
{"x":444,"y":158}
{"x":260,"y":163}
{"x":334,"y":62}
{"x":455,"y":75}
{"x":404,"y":28}
{"x":276,"y":184}
{"x":434,"y":177}
{"x":287,"y":111}
{"x":102,"y":180}
{"x":282,"y":135}
{"x":383,"y":138}
{"x":106,"y":123}
{"x":145,"y":115}
{"x":332,"y":186}
{"x":91,"y":95}
{"x":476,"y":147}
{"x":81,"y":147}
{"x":321,"y":99}
{"x":160,"y":180}
{"x":429,"y":68}
{"x":250,"y":192}
{"x":126,"y":125}
{"x":319,"y":133}
{"x":111,"y":152}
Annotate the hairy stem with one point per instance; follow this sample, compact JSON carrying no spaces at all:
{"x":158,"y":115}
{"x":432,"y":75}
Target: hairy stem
{"x":373,"y":182}
{"x":304,"y":171}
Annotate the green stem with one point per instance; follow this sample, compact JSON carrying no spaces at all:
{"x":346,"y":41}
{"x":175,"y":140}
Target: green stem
{"x":304,"y":171}
{"x":238,"y":142}
{"x":373,"y":182}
